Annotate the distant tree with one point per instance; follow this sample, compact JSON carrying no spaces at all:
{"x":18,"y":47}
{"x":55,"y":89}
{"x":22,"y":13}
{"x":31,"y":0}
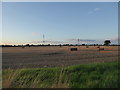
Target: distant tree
{"x":76,"y":44}
{"x":28,"y":45}
{"x":83,"y":44}
{"x":107,"y":42}
{"x":65,"y":44}
{"x":95,"y":44}
{"x":48,"y":45}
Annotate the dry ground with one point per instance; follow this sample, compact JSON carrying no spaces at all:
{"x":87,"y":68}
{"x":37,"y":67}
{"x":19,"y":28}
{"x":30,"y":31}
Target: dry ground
{"x":52,"y":56}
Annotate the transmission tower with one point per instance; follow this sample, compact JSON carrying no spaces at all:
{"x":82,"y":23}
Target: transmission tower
{"x":43,"y":38}
{"x":78,"y":41}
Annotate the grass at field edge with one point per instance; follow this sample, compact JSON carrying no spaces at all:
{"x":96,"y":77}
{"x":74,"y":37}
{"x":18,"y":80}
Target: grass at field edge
{"x":98,"y":75}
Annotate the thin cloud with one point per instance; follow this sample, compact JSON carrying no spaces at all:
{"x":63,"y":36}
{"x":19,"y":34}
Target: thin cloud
{"x":90,"y":12}
{"x":34,"y":34}
{"x":82,"y":41}
{"x":115,"y":39}
{"x":94,"y":10}
{"x":76,"y":41}
{"x":48,"y":42}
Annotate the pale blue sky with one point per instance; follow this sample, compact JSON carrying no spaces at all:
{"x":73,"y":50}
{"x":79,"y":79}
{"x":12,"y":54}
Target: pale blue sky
{"x":65,"y":22}
{"x":0,"y":23}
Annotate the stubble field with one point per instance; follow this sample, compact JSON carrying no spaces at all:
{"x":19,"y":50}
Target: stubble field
{"x":55,"y":56}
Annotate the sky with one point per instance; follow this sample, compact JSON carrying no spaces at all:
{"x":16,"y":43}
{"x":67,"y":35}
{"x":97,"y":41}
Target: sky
{"x":60,"y":22}
{"x":0,"y":23}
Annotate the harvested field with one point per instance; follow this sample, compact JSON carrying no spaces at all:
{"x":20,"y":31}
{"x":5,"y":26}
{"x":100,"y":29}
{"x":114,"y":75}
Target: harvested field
{"x":55,"y":56}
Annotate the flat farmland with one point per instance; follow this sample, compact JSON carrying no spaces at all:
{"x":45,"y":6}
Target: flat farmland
{"x":55,"y":56}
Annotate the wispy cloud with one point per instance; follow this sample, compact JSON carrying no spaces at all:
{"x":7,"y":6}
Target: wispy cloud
{"x":113,"y":40}
{"x":90,"y":12}
{"x":48,"y":42}
{"x":94,"y":10}
{"x":82,"y":41}
{"x":74,"y":41}
{"x":34,"y":33}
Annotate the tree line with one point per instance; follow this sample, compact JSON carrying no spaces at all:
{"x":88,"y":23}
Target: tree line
{"x":106,"y":43}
